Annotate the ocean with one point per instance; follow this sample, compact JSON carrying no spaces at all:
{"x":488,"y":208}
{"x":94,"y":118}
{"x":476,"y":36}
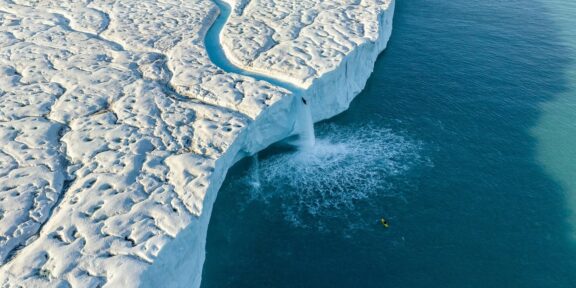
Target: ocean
{"x":464,"y":140}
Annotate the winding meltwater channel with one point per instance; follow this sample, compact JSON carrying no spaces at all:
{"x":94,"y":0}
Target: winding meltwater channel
{"x":218,"y":55}
{"x":304,"y":125}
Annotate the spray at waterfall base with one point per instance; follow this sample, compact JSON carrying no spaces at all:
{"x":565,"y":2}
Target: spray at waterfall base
{"x":346,"y":169}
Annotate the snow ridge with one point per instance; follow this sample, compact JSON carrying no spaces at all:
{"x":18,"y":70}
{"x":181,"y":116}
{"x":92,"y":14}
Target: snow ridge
{"x":117,"y":129}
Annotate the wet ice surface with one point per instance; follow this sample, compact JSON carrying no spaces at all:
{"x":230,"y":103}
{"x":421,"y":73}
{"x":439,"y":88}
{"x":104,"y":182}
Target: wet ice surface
{"x":113,"y":121}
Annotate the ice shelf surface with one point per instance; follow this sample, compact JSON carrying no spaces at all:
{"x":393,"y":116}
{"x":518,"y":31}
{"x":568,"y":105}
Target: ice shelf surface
{"x":117,"y":128}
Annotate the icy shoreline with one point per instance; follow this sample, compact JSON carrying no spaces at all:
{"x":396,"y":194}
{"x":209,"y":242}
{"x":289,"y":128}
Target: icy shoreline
{"x":173,"y":261}
{"x":118,"y":129}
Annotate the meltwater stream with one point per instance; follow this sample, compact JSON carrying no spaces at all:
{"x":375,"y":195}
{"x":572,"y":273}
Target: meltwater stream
{"x":304,"y":125}
{"x":455,"y":141}
{"x":220,"y":59}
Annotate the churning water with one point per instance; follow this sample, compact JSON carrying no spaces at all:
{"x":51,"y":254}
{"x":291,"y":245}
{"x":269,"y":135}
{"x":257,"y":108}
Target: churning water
{"x":347,"y":165}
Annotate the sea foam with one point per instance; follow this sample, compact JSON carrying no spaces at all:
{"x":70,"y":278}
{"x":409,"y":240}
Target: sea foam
{"x":346,"y":168}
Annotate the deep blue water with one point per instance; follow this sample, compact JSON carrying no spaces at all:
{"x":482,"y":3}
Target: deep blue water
{"x":456,"y":140}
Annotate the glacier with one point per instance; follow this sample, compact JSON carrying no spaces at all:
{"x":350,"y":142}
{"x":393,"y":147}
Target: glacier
{"x":120,"y":119}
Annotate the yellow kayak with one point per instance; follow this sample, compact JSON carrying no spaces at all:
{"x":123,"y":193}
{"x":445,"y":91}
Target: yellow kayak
{"x":384,"y":223}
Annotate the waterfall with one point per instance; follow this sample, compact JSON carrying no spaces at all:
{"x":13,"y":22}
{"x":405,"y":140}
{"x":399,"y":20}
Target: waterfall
{"x":307,"y":135}
{"x":254,"y":173}
{"x":304,"y":126}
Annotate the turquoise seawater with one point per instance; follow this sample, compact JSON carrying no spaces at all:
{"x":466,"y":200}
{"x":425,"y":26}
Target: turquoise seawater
{"x":464,"y":140}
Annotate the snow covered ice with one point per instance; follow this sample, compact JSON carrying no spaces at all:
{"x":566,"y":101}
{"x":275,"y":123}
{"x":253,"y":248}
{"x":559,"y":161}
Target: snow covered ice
{"x":117,"y":128}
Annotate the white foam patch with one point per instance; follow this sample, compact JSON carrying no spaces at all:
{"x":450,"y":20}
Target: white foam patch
{"x":346,"y":167}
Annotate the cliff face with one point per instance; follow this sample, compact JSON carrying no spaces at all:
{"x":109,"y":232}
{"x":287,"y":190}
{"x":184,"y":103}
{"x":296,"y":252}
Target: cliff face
{"x":327,"y":95}
{"x":118,"y":128}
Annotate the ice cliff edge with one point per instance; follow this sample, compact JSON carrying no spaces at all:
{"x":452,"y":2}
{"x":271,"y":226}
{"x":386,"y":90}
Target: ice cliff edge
{"x":118,"y":129}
